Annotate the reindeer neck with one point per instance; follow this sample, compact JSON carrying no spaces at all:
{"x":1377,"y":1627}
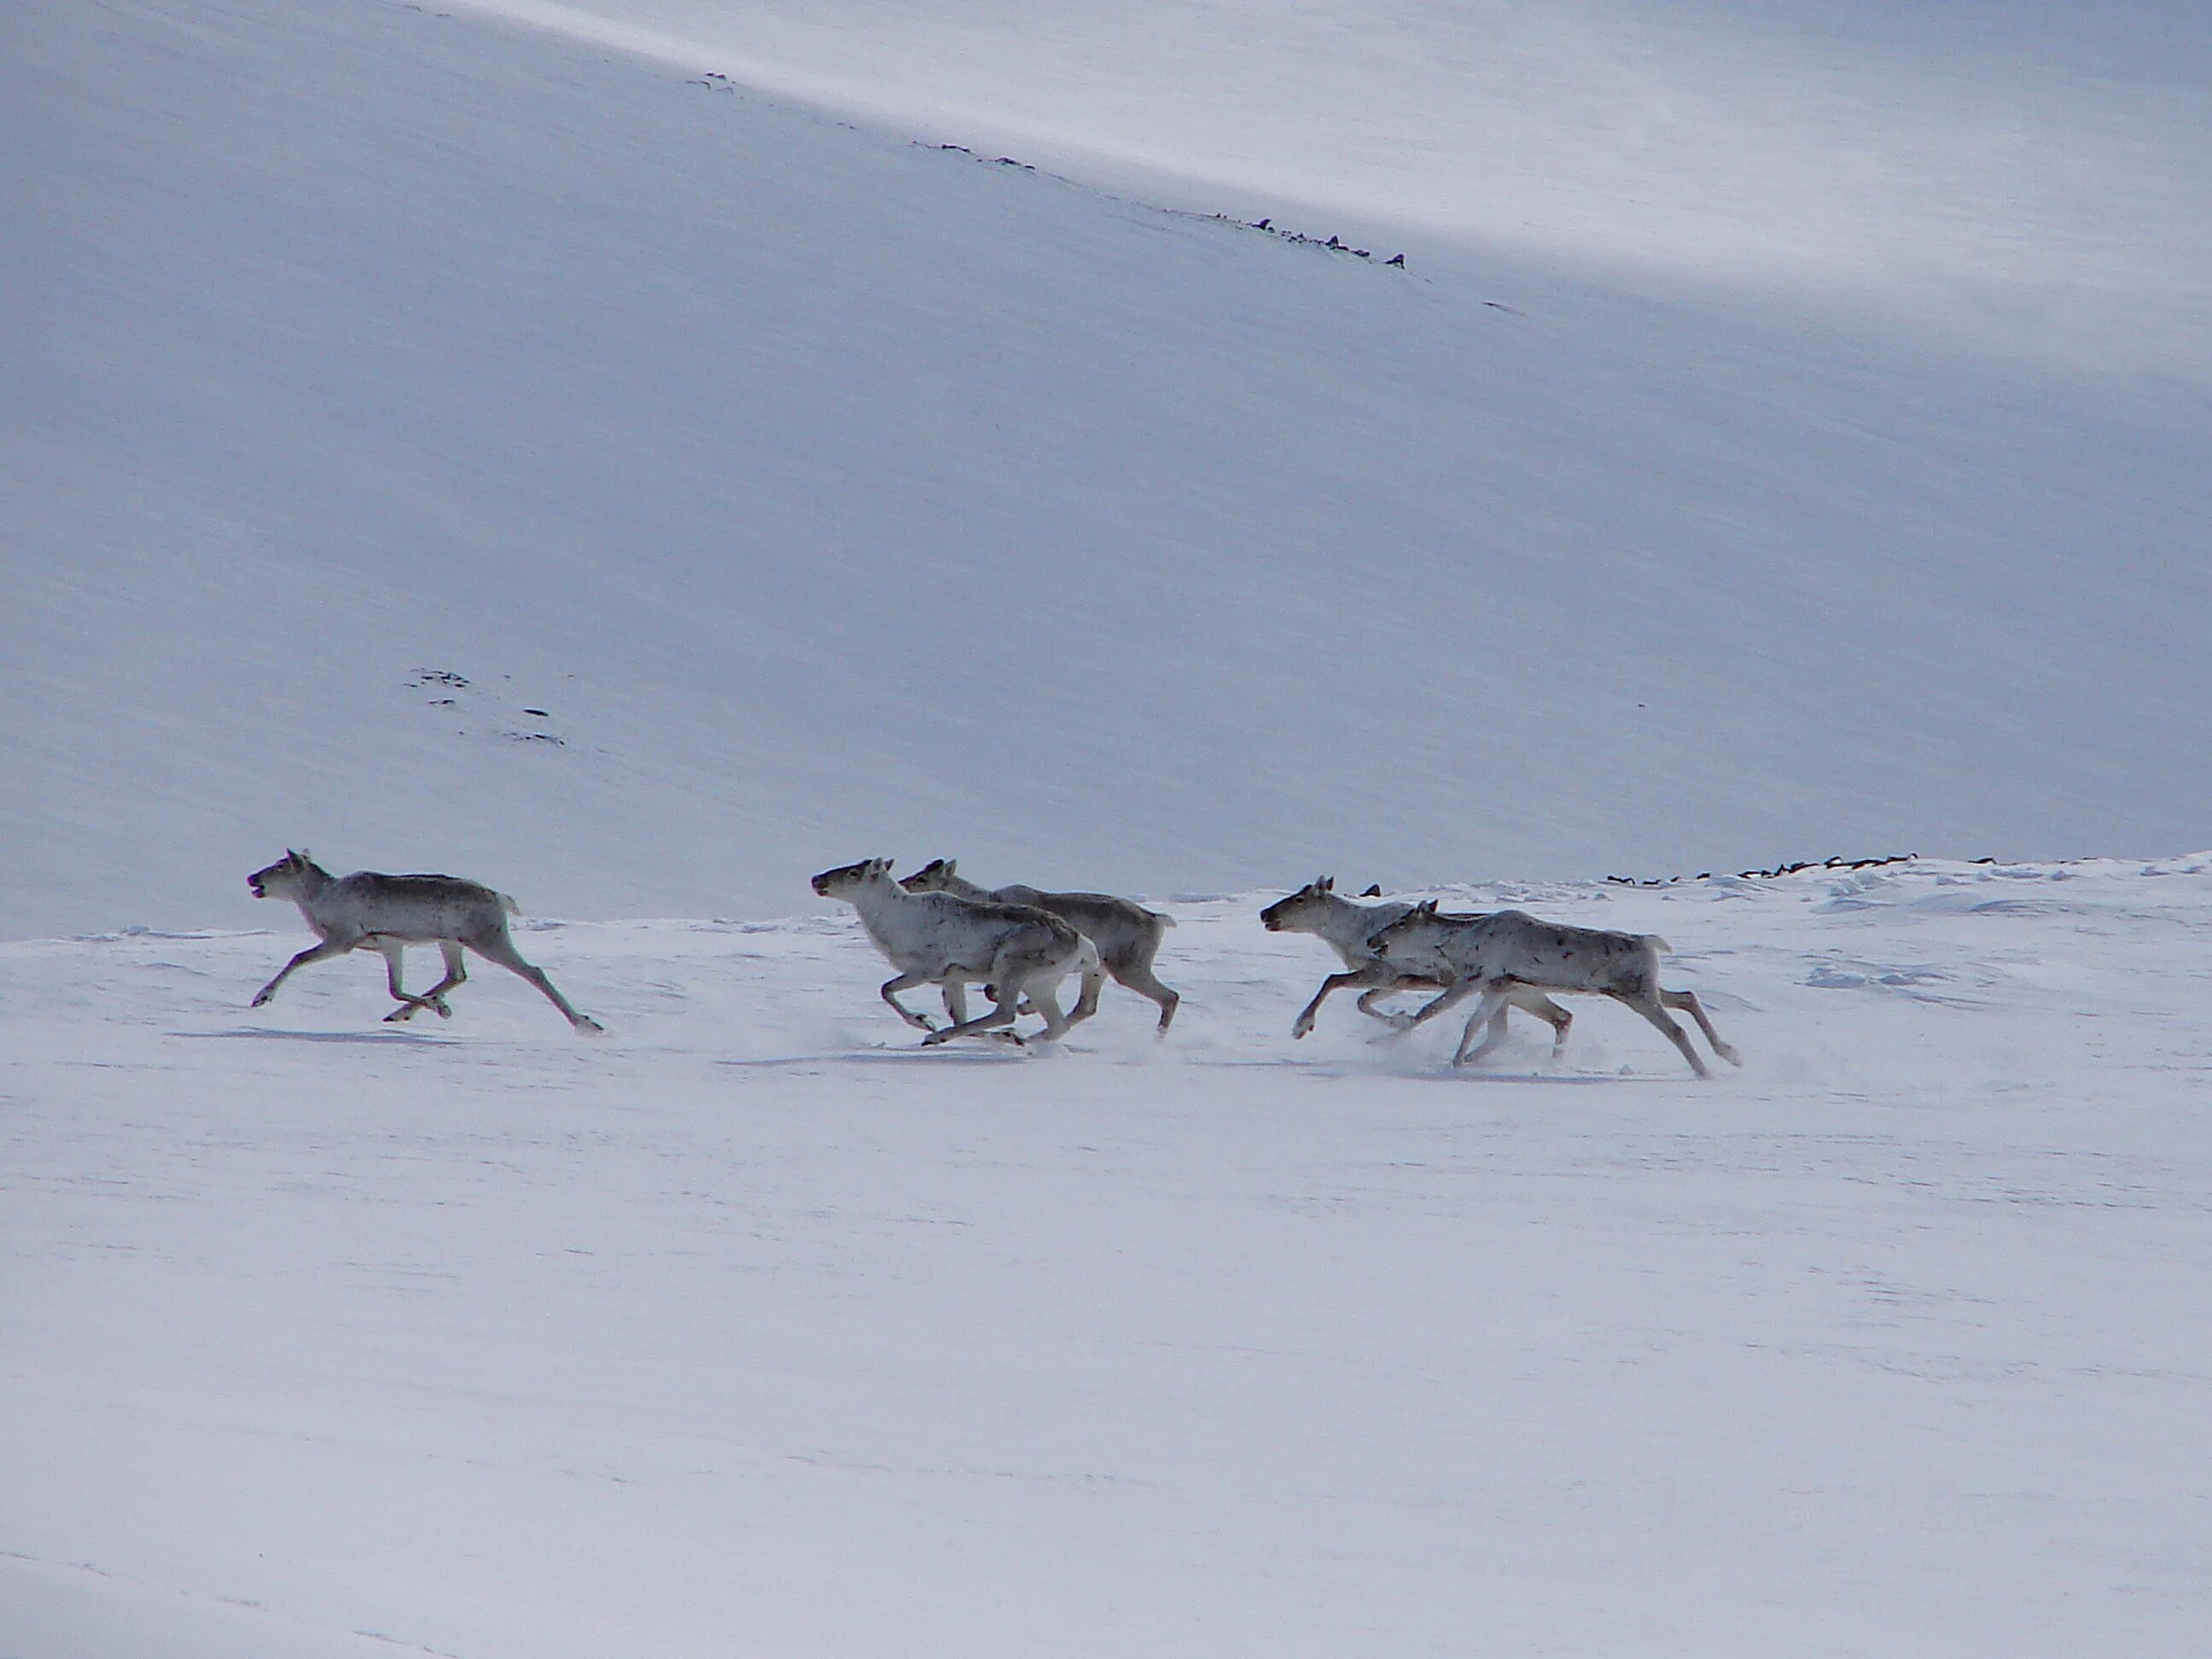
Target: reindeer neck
{"x":879,"y":901}
{"x":313,"y":879}
{"x":1350,"y":923}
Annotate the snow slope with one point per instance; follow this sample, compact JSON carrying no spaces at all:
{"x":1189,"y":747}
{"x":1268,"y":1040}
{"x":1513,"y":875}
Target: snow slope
{"x":831,"y":494}
{"x":755,"y":1328}
{"x":2030,"y":177}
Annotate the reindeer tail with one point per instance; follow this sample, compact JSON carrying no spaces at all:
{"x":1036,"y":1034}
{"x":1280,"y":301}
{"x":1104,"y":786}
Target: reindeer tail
{"x":1659,"y":944}
{"x":507,"y":903}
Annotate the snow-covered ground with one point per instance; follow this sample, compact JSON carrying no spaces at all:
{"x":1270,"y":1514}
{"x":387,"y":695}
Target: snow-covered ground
{"x":755,"y":1328}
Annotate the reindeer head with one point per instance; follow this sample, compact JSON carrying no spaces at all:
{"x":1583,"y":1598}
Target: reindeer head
{"x":1412,"y":936}
{"x":849,"y":879}
{"x":1294,"y":912}
{"x":934,"y":877}
{"x":286,"y":878}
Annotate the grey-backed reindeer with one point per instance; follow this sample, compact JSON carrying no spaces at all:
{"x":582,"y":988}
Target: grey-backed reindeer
{"x":1497,"y":956}
{"x":936,"y":939}
{"x":1127,"y":935}
{"x":1346,"y":925}
{"x":366,"y":911}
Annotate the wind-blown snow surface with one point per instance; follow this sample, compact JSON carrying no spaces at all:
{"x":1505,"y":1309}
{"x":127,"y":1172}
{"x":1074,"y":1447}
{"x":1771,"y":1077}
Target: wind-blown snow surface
{"x":755,"y":1328}
{"x":456,"y":448}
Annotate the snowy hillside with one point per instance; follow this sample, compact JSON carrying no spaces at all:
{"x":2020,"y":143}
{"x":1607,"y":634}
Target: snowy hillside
{"x":753,"y":1329}
{"x":2028,"y":178}
{"x":454,"y":447}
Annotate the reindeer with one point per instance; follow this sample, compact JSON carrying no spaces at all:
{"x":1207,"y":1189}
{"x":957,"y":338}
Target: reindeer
{"x":1016,"y":951}
{"x":1127,"y":935}
{"x":366,"y":911}
{"x":1346,"y":925}
{"x":1500,"y":955}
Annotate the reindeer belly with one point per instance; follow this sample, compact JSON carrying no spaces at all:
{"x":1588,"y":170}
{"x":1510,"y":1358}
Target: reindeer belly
{"x":410,"y":924}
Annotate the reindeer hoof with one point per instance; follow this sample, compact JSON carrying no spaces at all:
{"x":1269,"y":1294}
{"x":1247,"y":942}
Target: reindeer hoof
{"x":398,"y":1014}
{"x":1728,"y":1055}
{"x":259,"y":1000}
{"x":444,"y":1013}
{"x":586,"y":1025}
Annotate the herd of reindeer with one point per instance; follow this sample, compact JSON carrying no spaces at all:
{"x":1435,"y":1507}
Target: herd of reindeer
{"x":937,"y":927}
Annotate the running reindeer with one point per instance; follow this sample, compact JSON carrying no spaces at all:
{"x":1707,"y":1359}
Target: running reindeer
{"x":366,"y":911}
{"x":1499,"y":956}
{"x":1127,"y":935}
{"x":1346,"y":925}
{"x":937,"y":939}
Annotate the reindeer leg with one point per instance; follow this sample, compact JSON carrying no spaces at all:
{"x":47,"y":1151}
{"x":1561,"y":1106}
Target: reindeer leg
{"x":1535,"y":1002}
{"x":955,"y":1006}
{"x":1396,"y":1022}
{"x":1455,"y":993}
{"x":889,"y":993}
{"x":1650,"y":1008}
{"x":435,"y":998}
{"x":1139,"y":978}
{"x":391,"y":950}
{"x":1490,"y":1038}
{"x":1086,"y":996}
{"x":500,"y":948}
{"x":457,"y":973}
{"x":1304,"y":1021}
{"x":323,"y":952}
{"x":1687,"y":1002}
{"x":1042,"y":998}
{"x":1006,"y":997}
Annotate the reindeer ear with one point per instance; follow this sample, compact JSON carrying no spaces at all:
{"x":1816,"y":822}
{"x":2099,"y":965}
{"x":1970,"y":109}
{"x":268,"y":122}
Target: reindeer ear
{"x":1427,"y":907}
{"x":1374,"y":890}
{"x":1327,"y":884}
{"x":947,"y":866}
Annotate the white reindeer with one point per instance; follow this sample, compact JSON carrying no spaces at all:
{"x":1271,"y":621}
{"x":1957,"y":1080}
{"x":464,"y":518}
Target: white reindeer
{"x":366,"y":911}
{"x":1499,"y":955}
{"x":1127,"y":935}
{"x":936,"y":939}
{"x":1346,"y":925}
